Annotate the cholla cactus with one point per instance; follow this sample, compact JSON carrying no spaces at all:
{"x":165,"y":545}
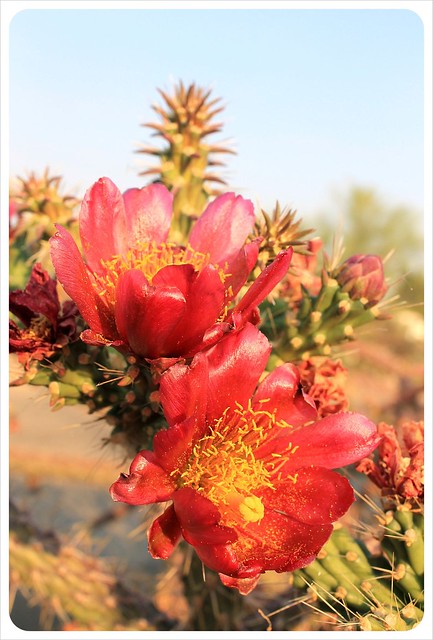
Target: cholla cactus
{"x":187,"y":161}
{"x":36,"y":203}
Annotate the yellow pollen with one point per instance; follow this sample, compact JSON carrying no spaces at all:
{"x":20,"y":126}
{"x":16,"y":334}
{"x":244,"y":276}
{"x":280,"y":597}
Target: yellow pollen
{"x":223,"y":466}
{"x":252,"y":509}
{"x":150,"y":257}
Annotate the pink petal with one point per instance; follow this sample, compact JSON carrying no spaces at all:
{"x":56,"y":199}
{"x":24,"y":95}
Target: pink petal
{"x":335,"y":441}
{"x":243,"y":585}
{"x":183,"y":391}
{"x":282,"y":388}
{"x":235,"y":366}
{"x":146,"y":483}
{"x":148,"y":214}
{"x":102,"y":223}
{"x":223,"y":228}
{"x":74,"y":277}
{"x":146,"y":316}
{"x":319,"y":496}
{"x":199,"y":519}
{"x":164,"y":534}
{"x":264,"y":284}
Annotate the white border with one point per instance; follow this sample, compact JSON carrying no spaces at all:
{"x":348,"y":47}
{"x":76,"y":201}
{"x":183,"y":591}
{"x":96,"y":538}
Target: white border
{"x":9,"y":8}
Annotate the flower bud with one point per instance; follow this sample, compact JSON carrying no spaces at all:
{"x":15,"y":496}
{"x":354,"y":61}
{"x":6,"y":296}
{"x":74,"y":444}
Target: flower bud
{"x":362,"y":277}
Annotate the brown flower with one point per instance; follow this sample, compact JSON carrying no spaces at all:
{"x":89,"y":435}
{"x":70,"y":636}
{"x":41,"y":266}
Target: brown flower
{"x":324,"y":379}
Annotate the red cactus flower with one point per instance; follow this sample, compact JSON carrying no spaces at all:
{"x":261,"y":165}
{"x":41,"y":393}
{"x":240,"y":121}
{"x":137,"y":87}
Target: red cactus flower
{"x":150,"y":297}
{"x":399,"y":470}
{"x":249,"y":474}
{"x":45,"y":325}
{"x":324,"y":379}
{"x":362,"y":277}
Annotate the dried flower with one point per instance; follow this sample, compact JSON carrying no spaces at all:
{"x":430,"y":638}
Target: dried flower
{"x":45,"y":324}
{"x":324,"y":379}
{"x":399,"y":470}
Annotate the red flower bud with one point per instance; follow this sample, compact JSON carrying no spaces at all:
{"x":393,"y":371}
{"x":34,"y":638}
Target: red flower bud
{"x":362,"y":277}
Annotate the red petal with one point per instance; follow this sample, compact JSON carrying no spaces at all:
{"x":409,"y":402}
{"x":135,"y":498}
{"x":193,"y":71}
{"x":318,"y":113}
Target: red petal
{"x":282,"y":388}
{"x":164,"y":534}
{"x":264,"y":284}
{"x":148,"y":213}
{"x":318,"y":496}
{"x":242,"y":266}
{"x":199,"y":519}
{"x":145,"y":315}
{"x":223,"y":228}
{"x":147,"y":482}
{"x":334,"y":441}
{"x":183,"y":391}
{"x":243,"y":585}
{"x":173,"y":446}
{"x":235,"y":366}
{"x":219,"y":557}
{"x":204,"y":304}
{"x":287,"y":543}
{"x":73,"y":275}
{"x":102,"y":223}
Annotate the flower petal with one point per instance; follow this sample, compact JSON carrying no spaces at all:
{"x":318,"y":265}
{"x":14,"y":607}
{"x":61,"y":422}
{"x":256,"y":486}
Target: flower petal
{"x":243,"y":585}
{"x":38,"y":297}
{"x":74,"y":277}
{"x":199,"y":519}
{"x":148,"y":213}
{"x":263,"y":285}
{"x":242,"y":266}
{"x":102,"y":223}
{"x":223,"y":228}
{"x":173,"y":446}
{"x":145,"y":315}
{"x":319,"y":496}
{"x":282,"y":388}
{"x":164,"y":534}
{"x":235,"y":366}
{"x":183,"y":391}
{"x":146,"y":483}
{"x":335,"y":441}
{"x":290,"y":544}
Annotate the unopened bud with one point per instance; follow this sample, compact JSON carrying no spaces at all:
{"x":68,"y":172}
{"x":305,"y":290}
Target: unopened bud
{"x":363,"y":278}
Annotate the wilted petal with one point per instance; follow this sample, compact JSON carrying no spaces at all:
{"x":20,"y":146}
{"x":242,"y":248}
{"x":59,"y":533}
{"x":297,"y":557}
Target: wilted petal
{"x":148,"y":213}
{"x":318,"y":496}
{"x":102,"y":223}
{"x":38,"y":297}
{"x":243,"y":585}
{"x":164,"y":534}
{"x":223,"y":228}
{"x":146,"y":483}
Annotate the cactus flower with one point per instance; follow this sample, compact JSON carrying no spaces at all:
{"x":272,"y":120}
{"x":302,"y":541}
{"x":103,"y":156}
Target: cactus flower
{"x":247,"y":468}
{"x":145,"y":295}
{"x":362,"y":277}
{"x":45,"y":324}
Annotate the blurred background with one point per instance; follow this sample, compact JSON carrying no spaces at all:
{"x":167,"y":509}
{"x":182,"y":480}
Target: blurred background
{"x":325,"y":111}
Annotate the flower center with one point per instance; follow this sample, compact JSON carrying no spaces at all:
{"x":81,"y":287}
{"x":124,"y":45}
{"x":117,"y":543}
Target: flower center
{"x":150,"y":257}
{"x":39,"y":328}
{"x":223,"y":467}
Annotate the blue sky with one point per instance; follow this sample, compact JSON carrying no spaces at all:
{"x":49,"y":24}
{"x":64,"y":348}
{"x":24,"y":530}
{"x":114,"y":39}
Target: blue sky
{"x":316,"y":100}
